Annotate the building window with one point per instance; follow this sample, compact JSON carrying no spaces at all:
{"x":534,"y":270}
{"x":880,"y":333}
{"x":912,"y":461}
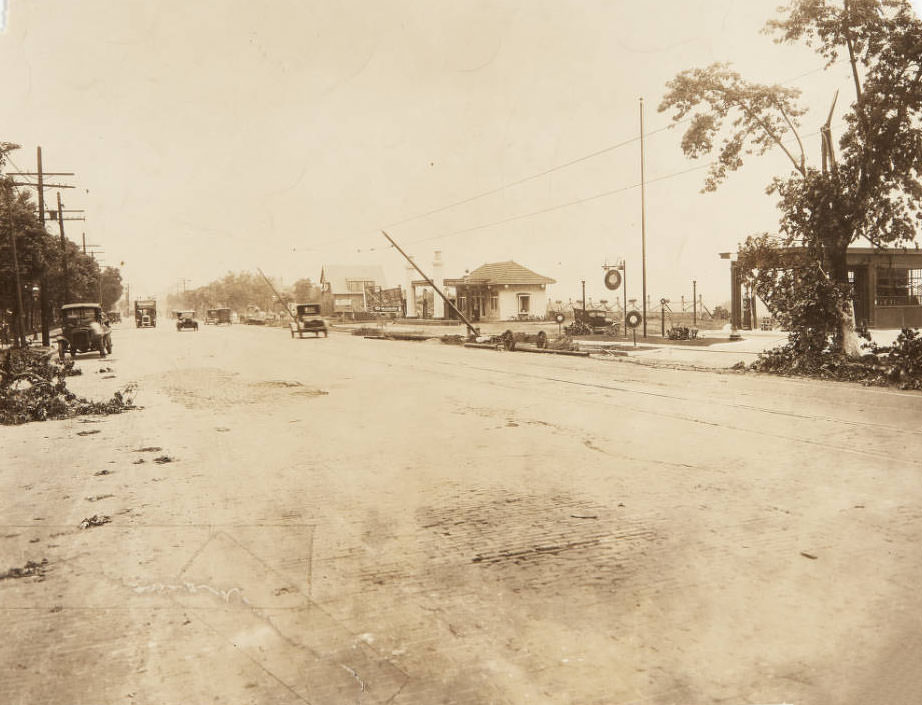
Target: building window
{"x":899,"y":287}
{"x":524,"y":303}
{"x":357,"y":286}
{"x":494,"y":302}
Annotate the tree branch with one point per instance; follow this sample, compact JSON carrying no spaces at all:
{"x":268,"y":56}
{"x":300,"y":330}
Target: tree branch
{"x":803,"y":156}
{"x":774,"y":137}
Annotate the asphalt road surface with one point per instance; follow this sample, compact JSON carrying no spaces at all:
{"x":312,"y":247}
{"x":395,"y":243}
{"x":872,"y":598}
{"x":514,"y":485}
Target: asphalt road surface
{"x":351,"y":521}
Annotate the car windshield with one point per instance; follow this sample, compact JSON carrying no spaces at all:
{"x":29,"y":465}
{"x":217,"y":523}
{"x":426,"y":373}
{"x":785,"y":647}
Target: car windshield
{"x":80,"y":315}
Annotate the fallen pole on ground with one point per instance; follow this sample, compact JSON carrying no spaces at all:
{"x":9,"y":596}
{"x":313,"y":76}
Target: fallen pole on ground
{"x":523,"y":347}
{"x":484,"y":346}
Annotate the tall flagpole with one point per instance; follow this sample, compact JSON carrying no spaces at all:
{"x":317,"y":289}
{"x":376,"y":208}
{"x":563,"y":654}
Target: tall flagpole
{"x":643,"y":224}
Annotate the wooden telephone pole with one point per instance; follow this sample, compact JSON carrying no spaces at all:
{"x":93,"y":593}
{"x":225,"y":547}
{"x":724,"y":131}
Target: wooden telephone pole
{"x":40,"y":186}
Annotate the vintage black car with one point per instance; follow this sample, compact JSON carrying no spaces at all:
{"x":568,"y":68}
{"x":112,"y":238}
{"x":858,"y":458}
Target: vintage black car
{"x":308,"y":320}
{"x":84,"y":328}
{"x":114,"y":317}
{"x":185,"y":320}
{"x":593,"y":322}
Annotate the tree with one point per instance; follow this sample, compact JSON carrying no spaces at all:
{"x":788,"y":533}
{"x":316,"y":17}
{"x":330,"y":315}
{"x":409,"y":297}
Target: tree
{"x":305,"y":291}
{"x":871,"y":187}
{"x":110,"y":287}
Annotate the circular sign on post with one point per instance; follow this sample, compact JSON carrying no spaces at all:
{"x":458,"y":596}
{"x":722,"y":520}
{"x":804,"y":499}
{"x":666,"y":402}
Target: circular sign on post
{"x":612,"y":279}
{"x":560,"y":318}
{"x":634,"y":319}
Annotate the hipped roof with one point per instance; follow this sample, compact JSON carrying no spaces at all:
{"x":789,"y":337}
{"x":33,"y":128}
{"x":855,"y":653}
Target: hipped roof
{"x":506,"y":273}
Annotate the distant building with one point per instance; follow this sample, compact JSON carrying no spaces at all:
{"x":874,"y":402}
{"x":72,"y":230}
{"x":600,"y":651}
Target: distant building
{"x":501,"y":291}
{"x":344,"y":288}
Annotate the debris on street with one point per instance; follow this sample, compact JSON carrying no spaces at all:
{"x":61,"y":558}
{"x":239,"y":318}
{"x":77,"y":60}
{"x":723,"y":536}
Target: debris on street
{"x":99,"y":497}
{"x":33,"y":388}
{"x":95,"y":520}
{"x":30,"y":570}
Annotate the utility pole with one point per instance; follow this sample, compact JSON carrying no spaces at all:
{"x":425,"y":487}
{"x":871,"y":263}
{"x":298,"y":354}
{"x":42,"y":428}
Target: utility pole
{"x":20,"y":330}
{"x":472,"y":331}
{"x":624,"y":292}
{"x":643,"y":223}
{"x":40,"y":186}
{"x":584,"y":295}
{"x":63,"y":250}
{"x":694,"y":302}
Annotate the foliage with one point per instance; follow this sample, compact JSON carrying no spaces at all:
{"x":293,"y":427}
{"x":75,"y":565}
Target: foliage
{"x":870,"y":189}
{"x":898,"y":364}
{"x":110,"y":287}
{"x":720,"y":314}
{"x":306,"y":292}
{"x":798,"y":293}
{"x":41,"y":260}
{"x":33,"y":387}
{"x":235,"y":290}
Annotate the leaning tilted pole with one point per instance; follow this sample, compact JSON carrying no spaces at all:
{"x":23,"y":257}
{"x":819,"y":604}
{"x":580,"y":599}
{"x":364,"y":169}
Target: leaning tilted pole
{"x":281,"y":299}
{"x":470,"y":328}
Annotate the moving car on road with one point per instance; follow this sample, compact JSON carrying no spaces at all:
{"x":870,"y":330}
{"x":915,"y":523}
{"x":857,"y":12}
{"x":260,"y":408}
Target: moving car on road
{"x":185,"y":320}
{"x":218,"y":317}
{"x":83,"y":329}
{"x":145,"y":313}
{"x":308,"y":320}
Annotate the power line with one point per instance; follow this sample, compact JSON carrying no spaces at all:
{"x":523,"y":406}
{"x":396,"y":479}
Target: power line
{"x":568,"y":204}
{"x":576,"y":202}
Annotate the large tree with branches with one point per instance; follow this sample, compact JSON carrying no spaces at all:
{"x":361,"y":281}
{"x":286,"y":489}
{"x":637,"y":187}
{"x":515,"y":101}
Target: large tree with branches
{"x":866,"y":184}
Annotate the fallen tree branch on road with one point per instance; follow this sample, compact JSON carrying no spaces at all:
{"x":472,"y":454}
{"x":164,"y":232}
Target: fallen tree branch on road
{"x":33,"y":387}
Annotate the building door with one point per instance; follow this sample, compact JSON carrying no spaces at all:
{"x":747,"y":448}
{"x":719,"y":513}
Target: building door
{"x":858,"y":281}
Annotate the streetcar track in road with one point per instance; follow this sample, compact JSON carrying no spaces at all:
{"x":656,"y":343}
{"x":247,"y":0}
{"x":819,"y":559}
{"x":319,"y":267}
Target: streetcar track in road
{"x":415,"y":364}
{"x":439,"y":367}
{"x":453,"y":369}
{"x":725,"y":425}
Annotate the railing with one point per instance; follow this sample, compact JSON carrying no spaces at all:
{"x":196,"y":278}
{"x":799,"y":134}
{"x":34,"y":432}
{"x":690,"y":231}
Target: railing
{"x":904,"y":300}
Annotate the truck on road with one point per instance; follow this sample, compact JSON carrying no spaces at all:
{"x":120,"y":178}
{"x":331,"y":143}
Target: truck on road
{"x":145,"y":313}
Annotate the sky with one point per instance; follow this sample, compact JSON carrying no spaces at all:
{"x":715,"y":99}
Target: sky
{"x":228,"y":135}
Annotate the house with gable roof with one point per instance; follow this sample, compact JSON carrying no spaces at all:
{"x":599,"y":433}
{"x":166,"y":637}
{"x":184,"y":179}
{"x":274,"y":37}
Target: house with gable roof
{"x":343,"y":287}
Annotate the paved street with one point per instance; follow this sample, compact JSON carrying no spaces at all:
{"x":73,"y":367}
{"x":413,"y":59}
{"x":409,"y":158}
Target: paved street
{"x":353,"y":521}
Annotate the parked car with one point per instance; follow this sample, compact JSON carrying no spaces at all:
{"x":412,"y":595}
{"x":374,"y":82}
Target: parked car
{"x":185,"y":320}
{"x":84,"y":329}
{"x":593,"y":322}
{"x":308,"y":320}
{"x":114,"y":317}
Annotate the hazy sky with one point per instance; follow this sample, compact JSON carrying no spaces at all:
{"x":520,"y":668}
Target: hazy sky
{"x":226,"y":135}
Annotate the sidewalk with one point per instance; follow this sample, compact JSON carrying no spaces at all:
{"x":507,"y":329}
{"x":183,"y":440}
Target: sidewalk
{"x":652,"y":350}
